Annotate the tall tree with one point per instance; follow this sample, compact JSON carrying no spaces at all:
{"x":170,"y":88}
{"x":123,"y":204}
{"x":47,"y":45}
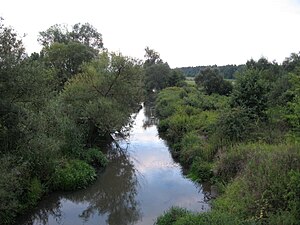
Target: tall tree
{"x":65,"y":51}
{"x":11,"y":55}
{"x":213,"y":82}
{"x":66,"y":59}
{"x":104,"y":95}
{"x":250,"y":93}
{"x":152,"y":57}
{"x":83,"y":33}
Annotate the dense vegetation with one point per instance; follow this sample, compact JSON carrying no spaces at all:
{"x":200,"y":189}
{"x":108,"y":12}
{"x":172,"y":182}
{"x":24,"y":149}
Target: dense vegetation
{"x":58,"y":104}
{"x":55,"y":106}
{"x":245,"y":141}
{"x":227,"y":71}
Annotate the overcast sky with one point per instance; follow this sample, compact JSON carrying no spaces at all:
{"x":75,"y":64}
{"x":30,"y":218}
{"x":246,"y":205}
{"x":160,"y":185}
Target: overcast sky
{"x":184,"y":32}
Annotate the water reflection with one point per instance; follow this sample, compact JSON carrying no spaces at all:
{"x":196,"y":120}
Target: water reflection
{"x":138,"y":184}
{"x":114,"y":194}
{"x":112,"y":197}
{"x":150,"y":118}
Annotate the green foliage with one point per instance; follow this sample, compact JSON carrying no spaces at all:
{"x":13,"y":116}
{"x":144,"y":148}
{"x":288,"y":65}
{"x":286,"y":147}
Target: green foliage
{"x":213,"y":82}
{"x":260,"y":180}
{"x":13,"y":177}
{"x":227,"y":71}
{"x":82,"y":33}
{"x":170,"y":217}
{"x":95,"y":98}
{"x":293,"y":107}
{"x":66,"y":59}
{"x":158,"y":75}
{"x":250,"y":93}
{"x":167,"y":100}
{"x":180,"y":216}
{"x":235,"y":125}
{"x":152,"y":57}
{"x":176,"y":78}
{"x":72,"y":175}
{"x":94,"y":156}
{"x":54,"y":107}
{"x":34,"y":192}
{"x":201,"y":171}
{"x":262,"y":187}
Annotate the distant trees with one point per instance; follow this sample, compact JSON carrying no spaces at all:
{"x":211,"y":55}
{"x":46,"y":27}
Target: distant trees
{"x":227,"y":71}
{"x":213,"y":82}
{"x":158,"y":74}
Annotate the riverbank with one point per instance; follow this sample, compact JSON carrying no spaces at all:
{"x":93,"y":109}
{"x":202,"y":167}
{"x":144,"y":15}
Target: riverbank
{"x":257,"y":175}
{"x":140,"y":181}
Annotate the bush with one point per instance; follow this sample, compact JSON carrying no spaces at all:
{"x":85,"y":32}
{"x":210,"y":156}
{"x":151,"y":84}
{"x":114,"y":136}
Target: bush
{"x":73,"y":175}
{"x":13,"y":178}
{"x":232,"y":162}
{"x":34,"y":192}
{"x":167,"y":101}
{"x":268,"y":183}
{"x":200,"y":171}
{"x":192,"y":146}
{"x":94,"y":156}
{"x":235,"y":125}
{"x":171,"y":216}
{"x":180,"y":216}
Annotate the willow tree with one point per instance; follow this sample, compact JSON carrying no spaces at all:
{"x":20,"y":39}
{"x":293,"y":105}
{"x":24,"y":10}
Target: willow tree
{"x":103,"y":96}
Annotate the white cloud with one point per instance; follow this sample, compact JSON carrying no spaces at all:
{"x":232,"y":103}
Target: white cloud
{"x":190,"y":32}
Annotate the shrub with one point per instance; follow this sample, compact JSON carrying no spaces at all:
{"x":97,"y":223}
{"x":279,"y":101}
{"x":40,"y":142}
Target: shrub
{"x":213,"y":218}
{"x":171,"y":216}
{"x":200,"y":171}
{"x":180,"y":216}
{"x":94,"y":156}
{"x":13,"y":177}
{"x":235,"y":125}
{"x":232,"y":162}
{"x":267,"y":184}
{"x":167,"y":100}
{"x":71,"y":175}
{"x":192,"y":145}
{"x":34,"y":192}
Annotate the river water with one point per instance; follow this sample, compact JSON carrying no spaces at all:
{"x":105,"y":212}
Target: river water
{"x":140,"y":183}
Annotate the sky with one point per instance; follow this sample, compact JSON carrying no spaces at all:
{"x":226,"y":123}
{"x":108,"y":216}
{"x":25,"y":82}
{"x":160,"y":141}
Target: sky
{"x":184,"y":32}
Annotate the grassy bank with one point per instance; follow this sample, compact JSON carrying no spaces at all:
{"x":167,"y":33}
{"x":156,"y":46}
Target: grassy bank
{"x":245,"y":143}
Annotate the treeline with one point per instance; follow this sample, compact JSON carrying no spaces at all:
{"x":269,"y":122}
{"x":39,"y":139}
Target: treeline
{"x":244,"y":140}
{"x":54,"y":107}
{"x":227,"y":71}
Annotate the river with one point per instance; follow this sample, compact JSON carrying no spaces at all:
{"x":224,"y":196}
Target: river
{"x":140,"y":183}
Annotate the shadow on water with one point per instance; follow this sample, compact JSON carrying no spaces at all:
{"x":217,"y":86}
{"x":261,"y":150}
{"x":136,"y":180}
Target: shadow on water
{"x":114,"y":199}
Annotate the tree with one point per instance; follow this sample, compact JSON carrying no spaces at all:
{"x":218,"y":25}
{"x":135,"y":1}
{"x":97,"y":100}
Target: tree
{"x":66,"y":59}
{"x":65,"y":51}
{"x":157,"y":76}
{"x":12,"y":53}
{"x":213,"y":82}
{"x":82,"y":33}
{"x":290,"y":63}
{"x":152,"y":57}
{"x":103,"y":96}
{"x":176,"y":78}
{"x":250,"y":93}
